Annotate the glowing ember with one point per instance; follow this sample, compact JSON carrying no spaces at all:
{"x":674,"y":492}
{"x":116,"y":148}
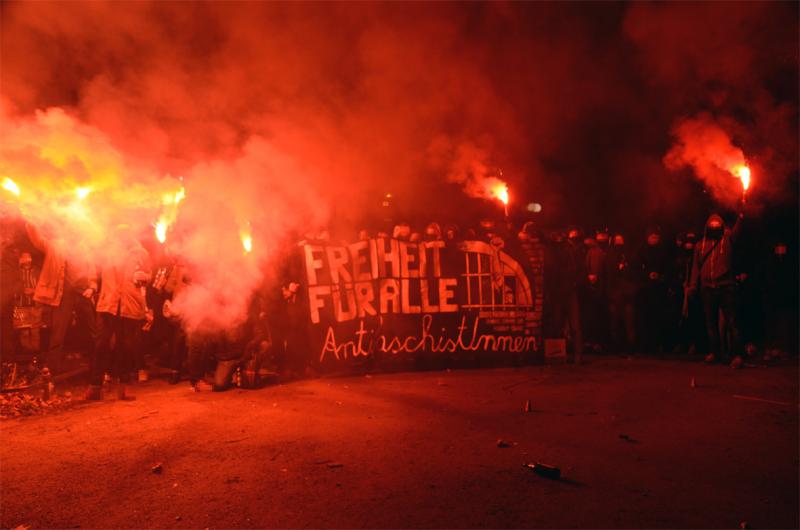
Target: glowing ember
{"x":247,"y":241}
{"x":82,"y":192}
{"x":11,"y":186}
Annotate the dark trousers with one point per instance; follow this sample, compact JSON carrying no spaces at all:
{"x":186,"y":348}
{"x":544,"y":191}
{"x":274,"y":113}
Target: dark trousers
{"x":623,"y":324}
{"x":117,"y":360}
{"x":60,"y":323}
{"x":653,"y":307}
{"x":176,"y":348}
{"x":716,"y":300}
{"x":200,"y":352}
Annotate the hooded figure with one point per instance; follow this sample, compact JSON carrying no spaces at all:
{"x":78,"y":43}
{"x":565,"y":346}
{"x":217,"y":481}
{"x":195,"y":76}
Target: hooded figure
{"x":655,"y":298}
{"x":621,"y":282}
{"x":712,"y":275}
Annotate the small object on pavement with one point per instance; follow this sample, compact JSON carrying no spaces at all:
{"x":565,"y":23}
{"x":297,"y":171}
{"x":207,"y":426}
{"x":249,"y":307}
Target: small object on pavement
{"x":692,"y":383}
{"x":157,"y":468}
{"x":178,"y":517}
{"x":528,"y":405}
{"x":545,"y":470}
{"x":502,"y":443}
{"x":335,"y":464}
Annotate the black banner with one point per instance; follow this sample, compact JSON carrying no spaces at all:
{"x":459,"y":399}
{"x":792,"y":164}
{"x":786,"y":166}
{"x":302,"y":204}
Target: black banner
{"x":390,"y":302}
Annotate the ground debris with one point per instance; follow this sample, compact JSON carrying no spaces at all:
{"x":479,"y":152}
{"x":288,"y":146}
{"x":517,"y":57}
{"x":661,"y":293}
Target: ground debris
{"x":157,"y":469}
{"x":502,"y":443}
{"x":334,"y":465}
{"x":544,"y":470}
{"x":18,"y":404}
{"x":628,"y":439}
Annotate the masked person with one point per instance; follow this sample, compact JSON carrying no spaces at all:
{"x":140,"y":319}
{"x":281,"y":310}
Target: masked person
{"x":603,"y":238}
{"x":402,"y":231}
{"x":595,"y":302}
{"x":578,"y":253}
{"x":560,"y":290}
{"x":779,"y":279}
{"x":451,"y":233}
{"x":621,"y":278}
{"x":121,"y":313}
{"x":433,"y":232}
{"x":691,"y":329}
{"x":64,"y":285}
{"x":654,"y":293}
{"x":713,"y":276}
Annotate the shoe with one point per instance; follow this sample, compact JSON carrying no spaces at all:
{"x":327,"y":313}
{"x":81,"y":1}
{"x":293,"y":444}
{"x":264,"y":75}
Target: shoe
{"x":142,"y":376}
{"x":737,"y":362}
{"x":93,"y":393}
{"x":709,"y":358}
{"x":202,"y":386}
{"x":122,"y":393}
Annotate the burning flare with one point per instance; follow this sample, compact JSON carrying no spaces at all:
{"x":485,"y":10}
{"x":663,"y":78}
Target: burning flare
{"x":82,"y":192}
{"x":501,"y":192}
{"x":171,"y":201}
{"x":11,"y":186}
{"x":161,"y":231}
{"x":743,"y":172}
{"x":247,"y":241}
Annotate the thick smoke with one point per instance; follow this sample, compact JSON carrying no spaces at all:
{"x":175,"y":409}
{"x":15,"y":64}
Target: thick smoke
{"x":284,"y":117}
{"x":726,"y":77}
{"x":705,"y":146}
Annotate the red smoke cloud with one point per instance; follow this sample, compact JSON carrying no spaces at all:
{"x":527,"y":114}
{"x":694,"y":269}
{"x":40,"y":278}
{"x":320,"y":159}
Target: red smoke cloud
{"x":705,"y":146}
{"x":284,"y":115}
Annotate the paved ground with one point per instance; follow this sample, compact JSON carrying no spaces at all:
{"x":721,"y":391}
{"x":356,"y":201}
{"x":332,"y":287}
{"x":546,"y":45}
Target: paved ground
{"x":420,"y":450}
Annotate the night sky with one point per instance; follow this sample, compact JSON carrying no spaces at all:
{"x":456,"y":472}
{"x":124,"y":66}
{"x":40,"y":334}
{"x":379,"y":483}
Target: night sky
{"x":576,"y":103}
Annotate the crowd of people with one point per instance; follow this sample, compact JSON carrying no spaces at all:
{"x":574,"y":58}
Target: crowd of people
{"x":602,"y":292}
{"x":698,"y":294}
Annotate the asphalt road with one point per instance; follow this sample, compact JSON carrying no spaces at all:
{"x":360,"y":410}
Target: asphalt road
{"x":636,"y":444}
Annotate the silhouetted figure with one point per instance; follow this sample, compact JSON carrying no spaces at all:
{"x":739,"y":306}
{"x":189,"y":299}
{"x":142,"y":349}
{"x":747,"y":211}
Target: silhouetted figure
{"x":713,"y":276}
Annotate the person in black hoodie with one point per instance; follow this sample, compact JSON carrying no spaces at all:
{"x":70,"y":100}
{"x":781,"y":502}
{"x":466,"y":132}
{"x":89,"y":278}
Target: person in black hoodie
{"x":713,"y":276}
{"x":654,"y":295}
{"x":621,"y":276}
{"x":691,"y":327}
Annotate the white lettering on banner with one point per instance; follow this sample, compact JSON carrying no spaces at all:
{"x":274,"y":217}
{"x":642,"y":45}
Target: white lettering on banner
{"x":426,"y":341}
{"x":377,"y":276}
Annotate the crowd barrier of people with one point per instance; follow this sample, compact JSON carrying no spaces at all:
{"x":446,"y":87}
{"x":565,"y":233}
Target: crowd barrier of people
{"x":603,"y":292}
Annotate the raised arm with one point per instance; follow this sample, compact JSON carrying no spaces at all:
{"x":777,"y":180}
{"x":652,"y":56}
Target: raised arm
{"x":737,"y":227}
